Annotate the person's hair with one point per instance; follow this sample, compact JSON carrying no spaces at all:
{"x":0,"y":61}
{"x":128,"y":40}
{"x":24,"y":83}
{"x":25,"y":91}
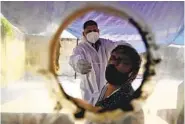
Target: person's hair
{"x":89,"y":23}
{"x":132,"y":54}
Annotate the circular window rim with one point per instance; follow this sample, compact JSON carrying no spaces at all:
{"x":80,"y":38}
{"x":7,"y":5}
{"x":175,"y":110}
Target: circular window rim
{"x":151,"y":57}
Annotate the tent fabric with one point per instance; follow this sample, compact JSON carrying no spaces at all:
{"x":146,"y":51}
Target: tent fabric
{"x":165,"y":18}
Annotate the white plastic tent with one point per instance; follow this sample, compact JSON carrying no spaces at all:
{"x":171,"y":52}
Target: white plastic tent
{"x":165,"y":18}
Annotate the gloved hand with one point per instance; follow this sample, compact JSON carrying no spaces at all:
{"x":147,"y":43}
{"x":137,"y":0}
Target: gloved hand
{"x":83,"y":66}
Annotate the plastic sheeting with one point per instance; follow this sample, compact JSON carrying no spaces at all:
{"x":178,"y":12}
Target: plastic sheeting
{"x":165,"y":18}
{"x":162,"y":17}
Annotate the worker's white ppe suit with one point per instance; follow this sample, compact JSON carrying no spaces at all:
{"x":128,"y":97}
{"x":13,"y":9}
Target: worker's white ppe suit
{"x":92,"y":64}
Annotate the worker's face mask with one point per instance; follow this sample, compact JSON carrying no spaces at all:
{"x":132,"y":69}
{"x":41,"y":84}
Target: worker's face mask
{"x":114,"y":77}
{"x":92,"y":37}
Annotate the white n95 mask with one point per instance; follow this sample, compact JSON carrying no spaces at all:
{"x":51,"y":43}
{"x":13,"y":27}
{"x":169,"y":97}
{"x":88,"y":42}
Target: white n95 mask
{"x":92,"y":37}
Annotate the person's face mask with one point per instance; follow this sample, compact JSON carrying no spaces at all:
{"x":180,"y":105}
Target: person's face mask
{"x":92,"y":37}
{"x":115,"y":77}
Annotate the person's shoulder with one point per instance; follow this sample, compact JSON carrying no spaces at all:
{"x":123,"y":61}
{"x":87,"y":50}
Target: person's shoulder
{"x":103,"y":40}
{"x":82,"y":44}
{"x":79,"y":47}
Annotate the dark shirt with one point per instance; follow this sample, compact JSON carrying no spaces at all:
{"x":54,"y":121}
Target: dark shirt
{"x":118,"y":99}
{"x":96,"y":45}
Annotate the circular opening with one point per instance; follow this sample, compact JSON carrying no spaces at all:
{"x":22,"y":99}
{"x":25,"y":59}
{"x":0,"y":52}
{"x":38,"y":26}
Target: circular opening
{"x":140,"y":94}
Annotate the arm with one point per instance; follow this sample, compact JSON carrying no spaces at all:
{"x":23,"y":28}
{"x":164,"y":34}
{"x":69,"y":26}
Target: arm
{"x":79,"y":62}
{"x":86,"y":105}
{"x":110,"y":45}
{"x":122,"y":42}
{"x":75,"y":57}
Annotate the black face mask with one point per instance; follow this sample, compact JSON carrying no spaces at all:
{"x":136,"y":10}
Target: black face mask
{"x":115,"y":77}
